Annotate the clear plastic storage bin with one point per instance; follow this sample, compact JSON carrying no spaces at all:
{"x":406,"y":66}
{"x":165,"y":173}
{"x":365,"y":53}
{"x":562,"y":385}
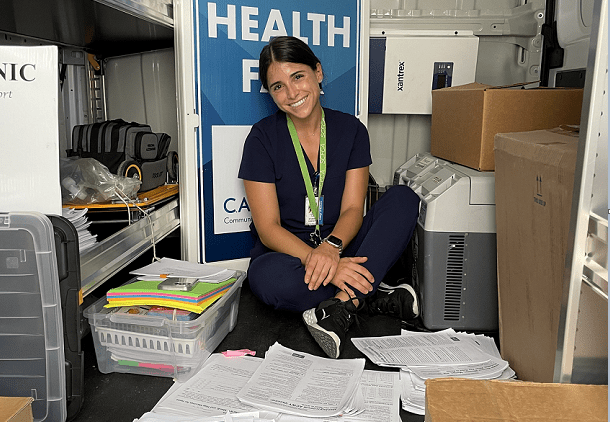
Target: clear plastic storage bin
{"x":32,"y":359}
{"x":157,"y":345}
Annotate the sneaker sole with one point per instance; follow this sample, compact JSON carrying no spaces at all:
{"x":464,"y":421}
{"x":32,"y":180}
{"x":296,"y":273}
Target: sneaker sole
{"x":327,"y":340}
{"x":387,"y":289}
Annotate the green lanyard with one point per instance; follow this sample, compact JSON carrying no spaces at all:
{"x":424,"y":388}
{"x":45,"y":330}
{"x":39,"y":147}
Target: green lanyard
{"x":308,"y":185}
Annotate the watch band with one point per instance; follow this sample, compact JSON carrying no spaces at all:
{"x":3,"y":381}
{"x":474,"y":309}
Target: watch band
{"x":335,"y":242}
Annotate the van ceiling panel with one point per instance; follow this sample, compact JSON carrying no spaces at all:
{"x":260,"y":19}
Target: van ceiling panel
{"x":97,"y":28}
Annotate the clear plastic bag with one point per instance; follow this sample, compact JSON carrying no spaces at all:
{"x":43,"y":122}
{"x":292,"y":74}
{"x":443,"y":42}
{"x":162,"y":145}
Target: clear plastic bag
{"x":87,"y":181}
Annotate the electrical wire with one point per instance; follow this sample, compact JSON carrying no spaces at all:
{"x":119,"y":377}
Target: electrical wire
{"x":118,"y":195}
{"x":124,"y":198}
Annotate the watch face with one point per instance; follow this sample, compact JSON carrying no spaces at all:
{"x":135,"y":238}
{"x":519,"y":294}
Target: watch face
{"x":335,"y":241}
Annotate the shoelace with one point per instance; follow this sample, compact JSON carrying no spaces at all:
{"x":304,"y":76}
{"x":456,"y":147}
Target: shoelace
{"x":344,"y":317}
{"x":384,"y":305}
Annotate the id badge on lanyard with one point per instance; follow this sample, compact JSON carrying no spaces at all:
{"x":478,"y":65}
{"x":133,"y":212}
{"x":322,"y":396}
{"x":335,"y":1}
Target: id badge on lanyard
{"x":310,"y":217}
{"x":314,"y":202}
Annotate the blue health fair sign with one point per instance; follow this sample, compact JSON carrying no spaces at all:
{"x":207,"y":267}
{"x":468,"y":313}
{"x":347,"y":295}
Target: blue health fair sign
{"x":229,"y":36}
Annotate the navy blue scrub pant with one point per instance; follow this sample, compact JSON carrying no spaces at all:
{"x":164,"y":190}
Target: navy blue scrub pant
{"x":278,"y":279}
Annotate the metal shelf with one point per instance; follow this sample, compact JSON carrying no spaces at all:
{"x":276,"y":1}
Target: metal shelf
{"x":106,"y":28}
{"x":156,"y":11}
{"x":101,"y":262}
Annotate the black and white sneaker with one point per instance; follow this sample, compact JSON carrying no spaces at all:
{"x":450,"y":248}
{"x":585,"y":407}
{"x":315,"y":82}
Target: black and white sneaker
{"x":329,"y":322}
{"x":397,"y":301}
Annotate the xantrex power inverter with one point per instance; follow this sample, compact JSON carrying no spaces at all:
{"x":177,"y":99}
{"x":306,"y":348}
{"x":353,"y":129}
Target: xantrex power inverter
{"x":454,"y":244}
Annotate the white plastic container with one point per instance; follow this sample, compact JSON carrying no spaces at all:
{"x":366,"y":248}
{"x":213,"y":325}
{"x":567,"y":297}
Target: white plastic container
{"x":159,"y":346}
{"x":32,"y":358}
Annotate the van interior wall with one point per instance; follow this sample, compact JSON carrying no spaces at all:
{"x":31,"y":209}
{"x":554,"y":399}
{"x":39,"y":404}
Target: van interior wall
{"x":142,"y":88}
{"x":509,"y":52}
{"x":575,"y":19}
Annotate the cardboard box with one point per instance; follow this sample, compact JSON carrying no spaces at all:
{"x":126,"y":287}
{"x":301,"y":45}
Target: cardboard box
{"x":454,"y":400}
{"x":466,"y":118}
{"x":16,"y":409}
{"x":534,"y":180}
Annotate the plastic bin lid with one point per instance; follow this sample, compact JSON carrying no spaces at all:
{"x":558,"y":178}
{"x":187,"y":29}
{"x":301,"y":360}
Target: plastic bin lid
{"x":32,"y":361}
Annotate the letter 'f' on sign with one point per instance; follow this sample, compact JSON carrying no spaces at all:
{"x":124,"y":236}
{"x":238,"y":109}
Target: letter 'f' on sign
{"x":248,"y":74}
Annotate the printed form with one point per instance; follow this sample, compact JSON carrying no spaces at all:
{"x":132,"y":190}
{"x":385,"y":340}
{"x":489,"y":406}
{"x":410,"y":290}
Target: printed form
{"x":298,"y":383}
{"x":381,"y":391}
{"x":229,"y":417}
{"x":308,"y":382}
{"x":212,"y":391}
{"x":423,"y":355}
{"x":442,"y":348}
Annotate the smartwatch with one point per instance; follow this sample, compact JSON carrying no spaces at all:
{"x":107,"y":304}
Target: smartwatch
{"x":334,"y":241}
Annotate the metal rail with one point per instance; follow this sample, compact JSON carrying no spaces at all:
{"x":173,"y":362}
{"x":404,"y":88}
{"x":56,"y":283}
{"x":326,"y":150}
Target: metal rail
{"x":586,"y":263}
{"x":108,"y":257}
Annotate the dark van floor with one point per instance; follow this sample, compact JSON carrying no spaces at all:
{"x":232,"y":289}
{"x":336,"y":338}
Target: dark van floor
{"x":118,"y":397}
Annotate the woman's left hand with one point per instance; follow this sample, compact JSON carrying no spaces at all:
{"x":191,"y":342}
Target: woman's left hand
{"x":321,"y":265}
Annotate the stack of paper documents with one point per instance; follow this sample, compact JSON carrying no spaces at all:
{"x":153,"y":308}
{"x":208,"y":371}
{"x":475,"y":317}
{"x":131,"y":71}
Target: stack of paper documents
{"x":301,"y":384}
{"x":256,"y":416}
{"x":434,"y":355}
{"x":166,"y":267}
{"x":212,"y":283}
{"x":288,"y":385}
{"x":79,"y":220}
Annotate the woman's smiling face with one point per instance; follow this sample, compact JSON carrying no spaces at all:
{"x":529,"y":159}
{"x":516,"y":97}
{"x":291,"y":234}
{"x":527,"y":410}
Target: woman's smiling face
{"x":295,"y":88}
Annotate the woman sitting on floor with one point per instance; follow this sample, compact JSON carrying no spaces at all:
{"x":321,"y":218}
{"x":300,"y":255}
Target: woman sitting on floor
{"x":305,"y":171}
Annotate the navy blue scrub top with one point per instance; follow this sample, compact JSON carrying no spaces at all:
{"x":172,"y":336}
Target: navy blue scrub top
{"x":269,"y":157}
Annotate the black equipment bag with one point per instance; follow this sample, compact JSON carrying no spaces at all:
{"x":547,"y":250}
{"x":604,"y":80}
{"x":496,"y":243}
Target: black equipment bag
{"x":127,"y":149}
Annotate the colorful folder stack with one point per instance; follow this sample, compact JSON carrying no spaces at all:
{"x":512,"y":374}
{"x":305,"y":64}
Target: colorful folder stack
{"x":145,"y":292}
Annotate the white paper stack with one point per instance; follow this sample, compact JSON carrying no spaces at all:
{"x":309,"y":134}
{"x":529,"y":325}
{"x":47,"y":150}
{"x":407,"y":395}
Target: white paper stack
{"x":286,"y":386}
{"x":79,"y":220}
{"x":255,"y":416}
{"x":167,"y":267}
{"x":305,"y":385}
{"x":434,"y":355}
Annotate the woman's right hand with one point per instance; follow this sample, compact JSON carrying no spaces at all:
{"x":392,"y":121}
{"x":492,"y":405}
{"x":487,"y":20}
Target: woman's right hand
{"x":351,"y":275}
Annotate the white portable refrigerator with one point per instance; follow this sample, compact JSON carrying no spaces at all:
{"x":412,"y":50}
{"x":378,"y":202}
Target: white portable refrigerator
{"x":454,"y":244}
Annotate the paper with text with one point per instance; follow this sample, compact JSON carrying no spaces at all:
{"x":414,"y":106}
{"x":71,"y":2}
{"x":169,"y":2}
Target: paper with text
{"x":443,"y":348}
{"x":212,"y":391}
{"x":229,"y":417}
{"x":298,"y":383}
{"x":381,"y":393}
